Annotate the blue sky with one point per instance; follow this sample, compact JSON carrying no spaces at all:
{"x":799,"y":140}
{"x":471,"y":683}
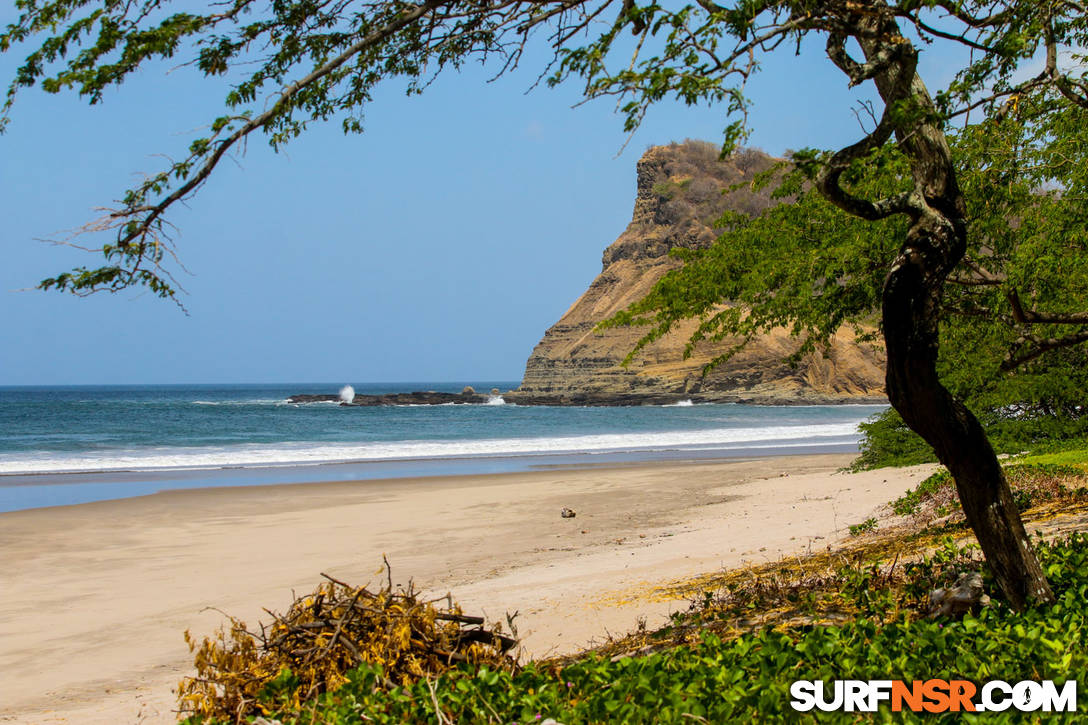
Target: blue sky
{"x":439,"y":245}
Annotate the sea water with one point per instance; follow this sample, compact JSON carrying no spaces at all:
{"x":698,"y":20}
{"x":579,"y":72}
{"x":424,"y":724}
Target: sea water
{"x":77,"y":444}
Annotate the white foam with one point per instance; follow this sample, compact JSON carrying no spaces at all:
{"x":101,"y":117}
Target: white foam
{"x":681,"y":404}
{"x":347,"y":394}
{"x":495,"y":400}
{"x":311,"y":453}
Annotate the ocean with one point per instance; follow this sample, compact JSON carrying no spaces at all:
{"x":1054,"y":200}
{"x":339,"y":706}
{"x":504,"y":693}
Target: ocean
{"x":77,"y":444}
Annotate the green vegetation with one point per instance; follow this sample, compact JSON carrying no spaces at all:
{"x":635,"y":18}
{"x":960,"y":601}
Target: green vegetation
{"x":909,"y":502}
{"x":1001,"y":373}
{"x":1077,"y":457}
{"x":669,"y":189}
{"x":720,"y":677}
{"x":1032,"y":482}
{"x":864,"y":527}
{"x":1027,"y":395}
{"x":887,"y":441}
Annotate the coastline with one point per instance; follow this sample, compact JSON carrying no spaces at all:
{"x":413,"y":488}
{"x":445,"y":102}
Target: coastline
{"x":49,"y":489}
{"x":101,"y":592}
{"x":575,"y":398}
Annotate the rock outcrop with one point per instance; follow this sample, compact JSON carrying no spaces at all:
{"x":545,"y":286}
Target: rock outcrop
{"x":423,"y":397}
{"x":679,"y":196}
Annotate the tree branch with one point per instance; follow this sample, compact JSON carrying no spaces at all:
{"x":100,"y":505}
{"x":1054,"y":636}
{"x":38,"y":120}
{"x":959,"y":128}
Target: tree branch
{"x":1042,"y":346}
{"x":924,"y":28}
{"x":1066,"y":86}
{"x":1032,"y":317}
{"x":860,"y":72}
{"x":827,"y":180}
{"x":140,"y":229}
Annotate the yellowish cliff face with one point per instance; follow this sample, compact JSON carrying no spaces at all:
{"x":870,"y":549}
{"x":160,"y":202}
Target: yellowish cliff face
{"x":679,"y":196}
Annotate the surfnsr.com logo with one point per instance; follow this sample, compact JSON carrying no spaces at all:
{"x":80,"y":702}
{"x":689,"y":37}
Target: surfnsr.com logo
{"x":933,"y":696}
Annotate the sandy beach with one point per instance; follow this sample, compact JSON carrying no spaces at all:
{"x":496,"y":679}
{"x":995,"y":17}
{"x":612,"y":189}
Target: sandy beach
{"x":96,"y":596}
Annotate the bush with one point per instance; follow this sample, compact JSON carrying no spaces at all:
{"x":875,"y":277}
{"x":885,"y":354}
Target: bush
{"x":864,"y":527}
{"x":887,"y":441}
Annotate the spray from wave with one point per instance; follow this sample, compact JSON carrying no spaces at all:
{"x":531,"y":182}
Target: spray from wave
{"x":347,"y":394}
{"x":496,"y":400}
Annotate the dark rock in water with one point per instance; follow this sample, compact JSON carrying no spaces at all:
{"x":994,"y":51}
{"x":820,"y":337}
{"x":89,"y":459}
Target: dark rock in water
{"x":428,"y":397}
{"x":313,"y":398}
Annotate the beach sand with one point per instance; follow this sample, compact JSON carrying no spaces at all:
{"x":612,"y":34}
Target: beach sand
{"x":94,"y":598}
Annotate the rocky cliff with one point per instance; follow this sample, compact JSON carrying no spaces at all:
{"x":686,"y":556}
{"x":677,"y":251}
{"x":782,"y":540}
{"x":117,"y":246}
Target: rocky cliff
{"x":679,"y":196}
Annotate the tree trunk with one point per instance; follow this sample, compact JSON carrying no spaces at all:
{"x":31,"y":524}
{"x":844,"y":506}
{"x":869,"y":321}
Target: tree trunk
{"x":911,"y":306}
{"x":910,"y":335}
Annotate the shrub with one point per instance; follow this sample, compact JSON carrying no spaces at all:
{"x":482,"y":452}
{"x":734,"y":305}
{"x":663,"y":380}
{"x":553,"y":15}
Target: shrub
{"x":864,"y":527}
{"x":887,"y":441}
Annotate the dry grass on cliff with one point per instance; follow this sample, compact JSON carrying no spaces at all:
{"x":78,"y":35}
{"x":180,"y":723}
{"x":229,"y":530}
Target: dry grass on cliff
{"x":693,"y":181}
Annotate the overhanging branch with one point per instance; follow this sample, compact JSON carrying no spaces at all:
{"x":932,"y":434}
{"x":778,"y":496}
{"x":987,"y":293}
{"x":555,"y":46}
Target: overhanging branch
{"x":827,"y":180}
{"x":1039,"y":347}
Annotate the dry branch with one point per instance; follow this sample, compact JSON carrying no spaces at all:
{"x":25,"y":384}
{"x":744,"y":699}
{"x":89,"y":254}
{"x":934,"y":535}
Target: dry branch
{"x":324,"y":635}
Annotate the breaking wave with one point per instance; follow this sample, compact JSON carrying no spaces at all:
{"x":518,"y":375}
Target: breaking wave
{"x":313,"y":453}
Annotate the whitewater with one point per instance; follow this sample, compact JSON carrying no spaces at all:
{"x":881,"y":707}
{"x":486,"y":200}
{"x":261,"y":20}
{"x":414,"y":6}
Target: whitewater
{"x":60,"y":434}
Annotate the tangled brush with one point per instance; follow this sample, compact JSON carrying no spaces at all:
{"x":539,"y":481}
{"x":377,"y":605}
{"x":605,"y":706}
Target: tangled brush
{"x":324,"y":635}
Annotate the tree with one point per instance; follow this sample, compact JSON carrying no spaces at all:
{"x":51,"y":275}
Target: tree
{"x":1023,"y":179}
{"x":316,"y":59}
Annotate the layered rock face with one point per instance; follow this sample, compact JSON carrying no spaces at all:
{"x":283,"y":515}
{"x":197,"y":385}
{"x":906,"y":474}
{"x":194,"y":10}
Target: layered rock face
{"x":679,"y":196}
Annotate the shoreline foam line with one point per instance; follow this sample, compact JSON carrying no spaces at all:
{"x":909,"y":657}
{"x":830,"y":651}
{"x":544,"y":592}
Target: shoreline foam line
{"x":318,"y":453}
{"x":20,"y":493}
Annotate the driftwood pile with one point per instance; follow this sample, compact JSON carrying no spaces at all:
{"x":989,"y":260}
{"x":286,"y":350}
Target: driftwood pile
{"x":324,"y":635}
